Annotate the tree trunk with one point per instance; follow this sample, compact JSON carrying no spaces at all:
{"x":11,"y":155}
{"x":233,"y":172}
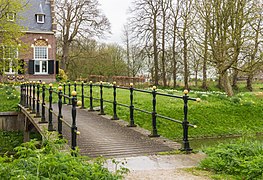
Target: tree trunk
{"x":204,"y":83}
{"x":234,"y":84}
{"x":186,"y":73}
{"x":226,"y":83}
{"x":64,"y":62}
{"x":249,"y":82}
{"x":155,"y":51}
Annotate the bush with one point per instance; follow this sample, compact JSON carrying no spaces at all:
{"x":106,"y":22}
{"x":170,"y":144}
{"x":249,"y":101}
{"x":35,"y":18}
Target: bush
{"x":49,"y":162}
{"x":61,"y":76}
{"x":243,"y":159}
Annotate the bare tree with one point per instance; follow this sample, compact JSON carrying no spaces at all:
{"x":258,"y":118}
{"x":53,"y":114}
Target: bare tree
{"x":78,"y":18}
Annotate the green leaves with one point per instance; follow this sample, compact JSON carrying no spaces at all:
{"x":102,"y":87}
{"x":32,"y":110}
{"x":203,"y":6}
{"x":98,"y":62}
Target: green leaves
{"x":48,"y":162}
{"x":242,"y":159}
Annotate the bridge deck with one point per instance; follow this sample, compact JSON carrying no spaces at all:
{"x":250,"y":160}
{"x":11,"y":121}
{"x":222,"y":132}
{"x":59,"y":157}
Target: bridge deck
{"x":100,"y":136}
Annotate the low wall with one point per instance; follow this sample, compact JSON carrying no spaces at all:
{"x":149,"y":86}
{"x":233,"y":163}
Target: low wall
{"x":11,"y":121}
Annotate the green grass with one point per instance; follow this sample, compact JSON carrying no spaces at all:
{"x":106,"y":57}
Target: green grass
{"x":9,"y":98}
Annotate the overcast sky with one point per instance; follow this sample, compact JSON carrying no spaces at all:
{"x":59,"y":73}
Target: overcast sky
{"x":116,"y":12}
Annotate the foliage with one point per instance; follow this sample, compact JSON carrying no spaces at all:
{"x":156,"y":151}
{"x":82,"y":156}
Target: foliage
{"x":242,"y":159}
{"x":9,"y":97}
{"x":9,"y":140}
{"x":49,"y":162}
{"x":61,"y":76}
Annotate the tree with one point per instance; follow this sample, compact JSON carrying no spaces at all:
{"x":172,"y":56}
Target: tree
{"x":144,"y":25}
{"x":78,"y":18}
{"x":10,"y":32}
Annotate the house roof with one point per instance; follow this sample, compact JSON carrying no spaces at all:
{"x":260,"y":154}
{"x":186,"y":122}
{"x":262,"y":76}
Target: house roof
{"x":33,"y":8}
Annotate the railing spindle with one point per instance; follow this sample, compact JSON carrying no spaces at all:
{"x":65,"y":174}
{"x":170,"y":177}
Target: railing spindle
{"x":82,"y":96}
{"x":91,"y":98}
{"x":131,"y":107}
{"x":101,"y":100}
{"x":38,"y":100}
{"x":50,"y":110}
{"x":154,"y":127}
{"x":185,"y":123}
{"x":60,"y":111}
{"x":43,"y":108}
{"x":34,"y":98}
{"x":115,"y":117}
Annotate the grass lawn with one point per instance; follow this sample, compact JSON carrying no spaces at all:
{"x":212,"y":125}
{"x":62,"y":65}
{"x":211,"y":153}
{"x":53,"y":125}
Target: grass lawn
{"x":9,"y":98}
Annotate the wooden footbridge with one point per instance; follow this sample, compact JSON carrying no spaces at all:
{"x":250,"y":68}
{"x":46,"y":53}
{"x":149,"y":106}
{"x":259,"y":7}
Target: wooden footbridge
{"x":95,"y":133}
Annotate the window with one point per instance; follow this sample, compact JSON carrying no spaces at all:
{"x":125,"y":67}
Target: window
{"x":10,"y":16}
{"x":40,"y":18}
{"x":9,"y":55}
{"x":41,"y":59}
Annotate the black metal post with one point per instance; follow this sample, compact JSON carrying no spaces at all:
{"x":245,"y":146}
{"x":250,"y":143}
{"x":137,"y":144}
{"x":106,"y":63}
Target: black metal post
{"x":34,"y":98}
{"x":82,"y":96}
{"x":24,"y":95}
{"x":90,"y":97}
{"x":50,"y":110}
{"x":38,"y":100}
{"x":154,"y":128}
{"x":73,"y":126}
{"x":131,"y":108}
{"x":64,"y":91}
{"x":75,"y":86}
{"x":101,"y":100}
{"x":60,"y":111}
{"x":185,"y":123}
{"x":30,"y":96}
{"x":43,"y":108}
{"x":69,"y":94}
{"x":21,"y":94}
{"x":115,"y":117}
{"x":27,"y":95}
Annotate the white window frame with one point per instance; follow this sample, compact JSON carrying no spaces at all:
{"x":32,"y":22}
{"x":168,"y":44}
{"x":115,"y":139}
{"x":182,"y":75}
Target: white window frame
{"x":38,"y":18}
{"x":11,"y":70}
{"x":41,"y":60}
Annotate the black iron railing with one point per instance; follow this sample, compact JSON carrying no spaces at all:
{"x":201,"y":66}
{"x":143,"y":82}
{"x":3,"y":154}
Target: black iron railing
{"x":185,"y":124}
{"x":30,"y":98}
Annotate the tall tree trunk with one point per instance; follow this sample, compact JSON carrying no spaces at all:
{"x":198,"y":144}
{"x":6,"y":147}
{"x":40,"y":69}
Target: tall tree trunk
{"x":186,"y":73}
{"x":65,"y":55}
{"x":234,"y":80}
{"x":204,"y":83}
{"x":249,"y":82}
{"x":163,"y":43}
{"x":155,"y":51}
{"x":226,"y":83}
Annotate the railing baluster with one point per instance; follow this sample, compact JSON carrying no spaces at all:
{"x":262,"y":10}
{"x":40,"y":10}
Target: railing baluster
{"x":75,"y":86}
{"x":43,"y":108}
{"x":21,"y":94}
{"x":34,"y":98}
{"x":115,"y":117}
{"x":38,"y":101}
{"x":26,"y":96}
{"x":73,"y":126}
{"x":69,"y":94}
{"x":30,"y":95}
{"x":131,"y":107}
{"x":60,"y":111}
{"x":185,"y":123}
{"x":64,"y":92}
{"x":101,"y":100}
{"x":50,"y":110}
{"x":91,"y":98}
{"x":82,"y":96}
{"x":154,"y":127}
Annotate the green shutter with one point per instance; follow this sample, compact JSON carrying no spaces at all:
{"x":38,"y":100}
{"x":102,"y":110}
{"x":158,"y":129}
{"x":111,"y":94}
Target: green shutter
{"x":31,"y":67}
{"x":51,"y":67}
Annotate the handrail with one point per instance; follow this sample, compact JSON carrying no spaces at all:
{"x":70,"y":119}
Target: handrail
{"x":30,"y":94}
{"x":27,"y":94}
{"x":132,"y":108}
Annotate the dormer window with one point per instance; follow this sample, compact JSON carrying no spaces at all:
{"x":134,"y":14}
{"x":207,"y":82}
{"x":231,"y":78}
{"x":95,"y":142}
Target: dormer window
{"x":10,"y":16}
{"x":40,"y":18}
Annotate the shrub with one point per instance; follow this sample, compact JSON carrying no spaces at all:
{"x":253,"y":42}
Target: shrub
{"x":49,"y":162}
{"x":242,"y":159}
{"x":61,"y":76}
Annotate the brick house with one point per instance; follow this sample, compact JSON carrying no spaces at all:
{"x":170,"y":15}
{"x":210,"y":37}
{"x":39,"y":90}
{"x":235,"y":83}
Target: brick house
{"x":39,"y":59}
